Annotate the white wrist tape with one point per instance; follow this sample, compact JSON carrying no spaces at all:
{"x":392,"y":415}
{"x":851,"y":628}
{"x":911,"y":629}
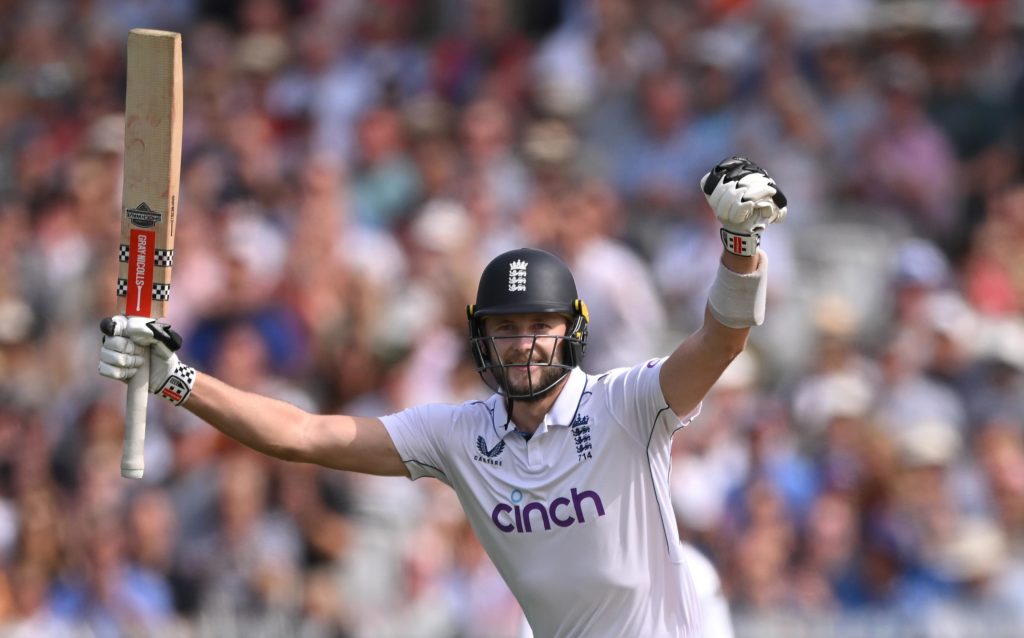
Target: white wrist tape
{"x":178,"y":386}
{"x":738,"y":301}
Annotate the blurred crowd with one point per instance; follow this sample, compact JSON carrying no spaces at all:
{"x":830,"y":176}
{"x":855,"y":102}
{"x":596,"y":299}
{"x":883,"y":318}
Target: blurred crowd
{"x":348,"y":169}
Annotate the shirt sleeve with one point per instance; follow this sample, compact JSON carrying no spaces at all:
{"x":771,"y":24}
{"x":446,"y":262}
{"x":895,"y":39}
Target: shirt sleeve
{"x":420,"y":435}
{"x":636,"y":401}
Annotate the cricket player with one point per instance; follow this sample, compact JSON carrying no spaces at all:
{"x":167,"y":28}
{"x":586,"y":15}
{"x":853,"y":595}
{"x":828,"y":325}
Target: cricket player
{"x":564,"y":476}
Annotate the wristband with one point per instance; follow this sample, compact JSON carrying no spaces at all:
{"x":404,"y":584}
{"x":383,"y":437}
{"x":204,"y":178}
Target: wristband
{"x":178,"y":387}
{"x":743,"y":244}
{"x":738,"y":301}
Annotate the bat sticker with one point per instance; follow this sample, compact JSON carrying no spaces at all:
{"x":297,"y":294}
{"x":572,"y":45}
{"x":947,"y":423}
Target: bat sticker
{"x":143,"y":216}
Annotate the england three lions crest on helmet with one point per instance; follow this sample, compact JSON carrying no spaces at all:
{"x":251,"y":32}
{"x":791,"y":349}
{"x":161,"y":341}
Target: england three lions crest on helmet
{"x":517,"y":276}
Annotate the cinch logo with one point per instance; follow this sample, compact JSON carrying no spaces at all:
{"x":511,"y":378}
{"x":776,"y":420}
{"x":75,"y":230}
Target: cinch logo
{"x":512,"y":518}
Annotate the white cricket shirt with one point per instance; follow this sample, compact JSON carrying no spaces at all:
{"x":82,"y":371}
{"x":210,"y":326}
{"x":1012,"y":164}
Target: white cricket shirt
{"x":578,"y":518}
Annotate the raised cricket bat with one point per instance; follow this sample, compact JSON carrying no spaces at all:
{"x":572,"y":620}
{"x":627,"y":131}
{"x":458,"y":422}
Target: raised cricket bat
{"x":149,"y":205}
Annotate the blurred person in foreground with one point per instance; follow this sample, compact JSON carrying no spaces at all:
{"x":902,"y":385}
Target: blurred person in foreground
{"x":533,"y":464}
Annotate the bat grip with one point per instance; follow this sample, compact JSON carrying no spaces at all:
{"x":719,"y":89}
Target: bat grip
{"x":132,"y":462}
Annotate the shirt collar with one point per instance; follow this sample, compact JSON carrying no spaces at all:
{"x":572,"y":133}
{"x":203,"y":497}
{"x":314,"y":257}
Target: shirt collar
{"x":564,"y":409}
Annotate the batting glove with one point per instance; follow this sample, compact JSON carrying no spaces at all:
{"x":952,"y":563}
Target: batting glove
{"x":125,"y":342}
{"x":745,"y":200}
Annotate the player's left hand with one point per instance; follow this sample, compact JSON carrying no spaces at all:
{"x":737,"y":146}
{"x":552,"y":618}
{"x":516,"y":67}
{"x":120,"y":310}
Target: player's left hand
{"x":745,"y":200}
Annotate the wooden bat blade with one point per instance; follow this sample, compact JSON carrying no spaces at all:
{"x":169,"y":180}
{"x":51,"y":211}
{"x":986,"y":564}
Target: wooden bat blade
{"x":152,"y":169}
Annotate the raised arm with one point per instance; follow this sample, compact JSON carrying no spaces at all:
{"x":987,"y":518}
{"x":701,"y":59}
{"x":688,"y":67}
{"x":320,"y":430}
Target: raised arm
{"x":281,"y":430}
{"x":266,"y":425}
{"x":745,"y":200}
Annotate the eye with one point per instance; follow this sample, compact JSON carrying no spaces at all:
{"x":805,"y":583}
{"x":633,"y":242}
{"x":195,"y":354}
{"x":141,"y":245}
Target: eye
{"x":541,"y":327}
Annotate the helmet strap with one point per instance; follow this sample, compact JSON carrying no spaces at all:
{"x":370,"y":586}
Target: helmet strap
{"x":508,"y":411}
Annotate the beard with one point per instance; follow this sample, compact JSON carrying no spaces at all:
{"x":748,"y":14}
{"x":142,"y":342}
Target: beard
{"x":541,"y":379}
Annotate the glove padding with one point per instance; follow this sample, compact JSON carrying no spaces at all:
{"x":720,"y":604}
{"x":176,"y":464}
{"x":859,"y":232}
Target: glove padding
{"x":125,"y":342}
{"x":745,"y":200}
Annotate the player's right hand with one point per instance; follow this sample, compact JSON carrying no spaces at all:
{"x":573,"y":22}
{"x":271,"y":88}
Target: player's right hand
{"x":127,"y":339}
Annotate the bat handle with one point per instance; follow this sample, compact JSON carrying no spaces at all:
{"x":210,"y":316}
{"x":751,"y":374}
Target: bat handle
{"x":132,"y":462}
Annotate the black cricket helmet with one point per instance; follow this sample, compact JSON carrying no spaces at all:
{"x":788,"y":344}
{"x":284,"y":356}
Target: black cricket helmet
{"x":522,"y":281}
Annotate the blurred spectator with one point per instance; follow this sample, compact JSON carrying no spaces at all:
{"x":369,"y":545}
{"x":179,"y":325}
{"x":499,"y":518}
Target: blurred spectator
{"x":101,"y":589}
{"x":989,"y":582}
{"x":849,"y":104}
{"x":994,"y":282}
{"x":713,"y":456}
{"x":479,"y":596}
{"x":996,"y":49}
{"x":250,"y":561}
{"x":659,"y":166}
{"x":598,"y":54}
{"x":394,"y":58}
{"x":907,"y":395}
{"x":970,"y":120}
{"x":488,"y":55}
{"x":30,"y":613}
{"x":324,"y":88}
{"x":832,"y":539}
{"x":909,"y":165}
{"x":385,"y":184}
{"x":627,"y":316}
{"x":999,"y":449}
{"x":487,"y":133}
{"x":774,"y":458}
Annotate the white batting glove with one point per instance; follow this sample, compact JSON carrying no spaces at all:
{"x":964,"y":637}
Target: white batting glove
{"x":745,"y":200}
{"x":125,"y":342}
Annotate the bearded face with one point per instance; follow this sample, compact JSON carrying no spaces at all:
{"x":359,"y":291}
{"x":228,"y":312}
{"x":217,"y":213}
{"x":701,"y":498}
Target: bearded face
{"x":527,"y":353}
{"x":531,"y":375}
